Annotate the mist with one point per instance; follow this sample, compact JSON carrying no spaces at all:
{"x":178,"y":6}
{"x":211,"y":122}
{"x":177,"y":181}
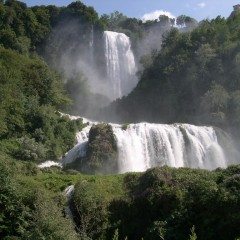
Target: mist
{"x":100,"y":67}
{"x":72,"y":49}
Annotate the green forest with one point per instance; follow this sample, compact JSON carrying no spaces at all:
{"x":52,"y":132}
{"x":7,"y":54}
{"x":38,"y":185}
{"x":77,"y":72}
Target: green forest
{"x":193,"y":78}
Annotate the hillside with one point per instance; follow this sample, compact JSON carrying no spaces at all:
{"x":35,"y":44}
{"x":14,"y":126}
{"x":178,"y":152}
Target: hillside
{"x":56,"y":61}
{"x":194,"y":78}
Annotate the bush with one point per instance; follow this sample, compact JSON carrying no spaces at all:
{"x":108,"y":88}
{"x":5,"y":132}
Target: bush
{"x":48,"y":221}
{"x":30,"y":150}
{"x":162,"y":203}
{"x":14,"y":214}
{"x":90,"y":208}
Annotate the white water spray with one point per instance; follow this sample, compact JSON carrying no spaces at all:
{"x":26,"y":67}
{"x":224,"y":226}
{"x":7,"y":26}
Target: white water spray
{"x":142,"y":146}
{"x":120,"y":64}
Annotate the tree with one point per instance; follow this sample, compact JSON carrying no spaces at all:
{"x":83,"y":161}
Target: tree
{"x":86,"y":14}
{"x":114,"y":20}
{"x":164,"y":20}
{"x":186,"y":21}
{"x":13,"y":215}
{"x":8,"y":38}
{"x":215,"y":100}
{"x":48,"y":221}
{"x":234,"y":108}
{"x":214,"y":104}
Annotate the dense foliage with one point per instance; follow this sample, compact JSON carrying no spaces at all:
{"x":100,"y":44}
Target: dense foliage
{"x":28,"y":209}
{"x":48,"y":30}
{"x":31,"y":127}
{"x":30,"y":94}
{"x":162,"y":203}
{"x":23,"y":28}
{"x":200,"y":67}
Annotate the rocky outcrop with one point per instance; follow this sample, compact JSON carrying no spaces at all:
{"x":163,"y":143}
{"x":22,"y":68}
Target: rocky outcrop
{"x":101,"y":154}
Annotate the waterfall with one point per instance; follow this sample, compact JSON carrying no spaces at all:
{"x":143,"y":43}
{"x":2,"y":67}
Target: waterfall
{"x":120,"y":64}
{"x":91,"y":42}
{"x":142,"y":146}
{"x":91,"y":47}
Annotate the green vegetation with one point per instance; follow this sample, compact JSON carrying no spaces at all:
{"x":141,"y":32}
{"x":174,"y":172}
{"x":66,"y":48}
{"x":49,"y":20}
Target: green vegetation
{"x":30,"y":95}
{"x":125,"y":126}
{"x":200,"y":67}
{"x":31,"y":127}
{"x":23,"y":28}
{"x":163,"y":203}
{"x":91,"y":201}
{"x":29,"y":210}
{"x":31,"y":30}
{"x":32,"y":200}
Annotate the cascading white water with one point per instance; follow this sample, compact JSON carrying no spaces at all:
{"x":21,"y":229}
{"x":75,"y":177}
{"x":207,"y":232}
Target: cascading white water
{"x":120,"y":64}
{"x":91,"y":47}
{"x":142,"y":146}
{"x":82,"y":139}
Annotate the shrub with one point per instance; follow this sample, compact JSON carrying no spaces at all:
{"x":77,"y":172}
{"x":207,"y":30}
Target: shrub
{"x":48,"y":221}
{"x":30,"y":150}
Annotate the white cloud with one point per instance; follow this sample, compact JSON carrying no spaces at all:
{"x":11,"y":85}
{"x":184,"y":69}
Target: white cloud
{"x":155,"y":15}
{"x":202,"y":5}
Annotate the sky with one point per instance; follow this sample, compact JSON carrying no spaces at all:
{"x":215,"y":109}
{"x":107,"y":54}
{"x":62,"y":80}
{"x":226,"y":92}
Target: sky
{"x":149,"y":9}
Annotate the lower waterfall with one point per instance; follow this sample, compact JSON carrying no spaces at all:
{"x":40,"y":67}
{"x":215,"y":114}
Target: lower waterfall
{"x":142,"y":146}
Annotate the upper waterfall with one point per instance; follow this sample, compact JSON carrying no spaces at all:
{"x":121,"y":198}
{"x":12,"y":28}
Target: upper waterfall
{"x":120,"y":64}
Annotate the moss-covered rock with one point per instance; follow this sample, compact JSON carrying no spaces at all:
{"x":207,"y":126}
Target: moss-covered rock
{"x":125,"y":126}
{"x":101,"y":154}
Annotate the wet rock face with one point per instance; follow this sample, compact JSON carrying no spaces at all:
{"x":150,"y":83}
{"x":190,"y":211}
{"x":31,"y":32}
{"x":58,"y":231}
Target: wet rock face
{"x":101,"y":154}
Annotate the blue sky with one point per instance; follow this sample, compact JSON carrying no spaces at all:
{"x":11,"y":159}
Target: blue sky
{"x":199,"y":9}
